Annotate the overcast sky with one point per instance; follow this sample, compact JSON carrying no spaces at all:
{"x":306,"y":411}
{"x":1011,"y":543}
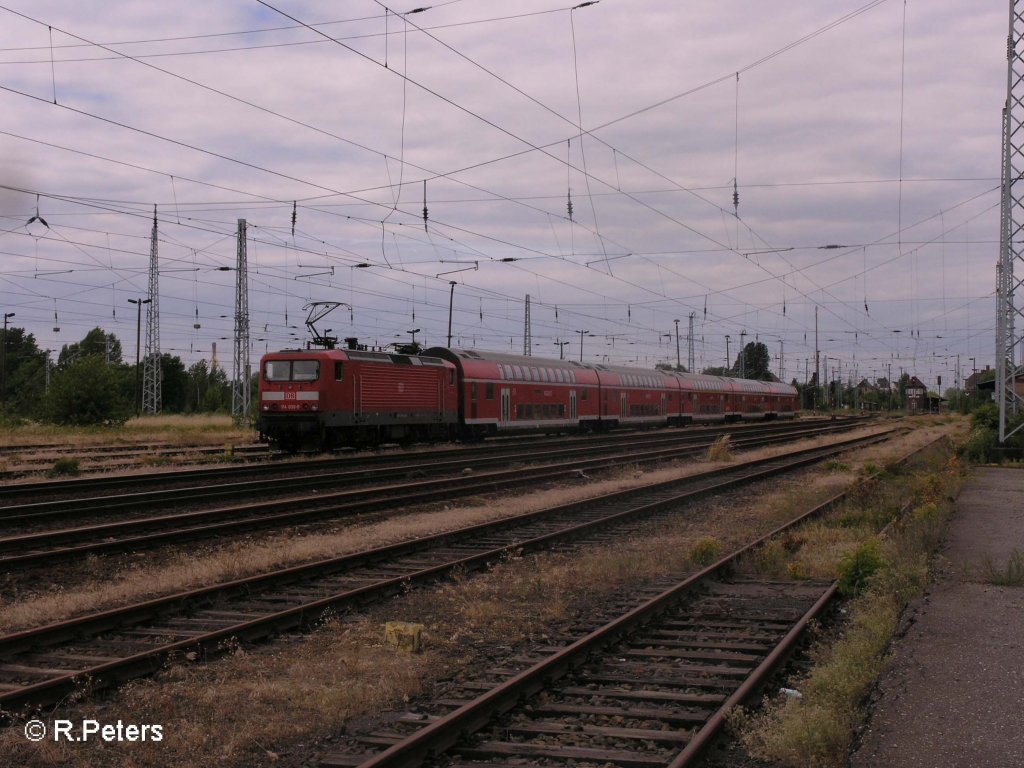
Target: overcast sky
{"x":872,"y":126}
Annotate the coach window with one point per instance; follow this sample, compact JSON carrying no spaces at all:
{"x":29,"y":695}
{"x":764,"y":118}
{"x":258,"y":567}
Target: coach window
{"x":451,"y":377}
{"x":277,"y":370}
{"x":305,"y":370}
{"x":583,"y":393}
{"x":338,"y":373}
{"x":489,"y":391}
{"x":472,"y":391}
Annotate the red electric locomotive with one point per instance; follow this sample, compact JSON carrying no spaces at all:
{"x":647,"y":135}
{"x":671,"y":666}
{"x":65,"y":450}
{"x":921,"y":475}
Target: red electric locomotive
{"x":328,"y":397}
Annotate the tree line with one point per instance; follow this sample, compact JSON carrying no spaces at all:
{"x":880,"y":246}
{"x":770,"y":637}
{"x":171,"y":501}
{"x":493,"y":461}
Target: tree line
{"x":91,"y":383}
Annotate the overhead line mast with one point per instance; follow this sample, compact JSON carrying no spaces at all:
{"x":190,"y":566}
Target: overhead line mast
{"x":241,"y":374}
{"x":1010,"y":272}
{"x":151,"y":371}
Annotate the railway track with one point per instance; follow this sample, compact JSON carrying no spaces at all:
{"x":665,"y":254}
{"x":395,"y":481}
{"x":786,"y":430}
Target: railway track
{"x":113,"y":448}
{"x":107,"y":493}
{"x":633,"y":692}
{"x":648,"y":687}
{"x":23,"y":550}
{"x":42,"y":666}
{"x":34,"y":460}
{"x":80,"y":488}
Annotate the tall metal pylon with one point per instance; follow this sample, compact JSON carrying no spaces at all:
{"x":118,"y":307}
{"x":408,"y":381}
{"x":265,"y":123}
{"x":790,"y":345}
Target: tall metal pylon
{"x":690,"y":361}
{"x":241,"y":372}
{"x":1010,"y":271}
{"x":152,"y":384}
{"x":527,"y":330}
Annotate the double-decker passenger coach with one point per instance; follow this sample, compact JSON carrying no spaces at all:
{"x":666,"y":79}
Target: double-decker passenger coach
{"x":503,"y":393}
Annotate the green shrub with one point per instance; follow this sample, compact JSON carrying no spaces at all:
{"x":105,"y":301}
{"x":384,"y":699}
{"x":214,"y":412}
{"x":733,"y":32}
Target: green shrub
{"x":980,"y":445}
{"x":87,"y":393}
{"x":857,"y":568}
{"x":985,"y":416}
{"x":706,"y":551}
{"x":64,"y":468}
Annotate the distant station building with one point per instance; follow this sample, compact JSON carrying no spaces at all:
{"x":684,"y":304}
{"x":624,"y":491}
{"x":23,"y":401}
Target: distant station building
{"x":917,"y":396}
{"x":972,"y":383}
{"x":989,"y":387}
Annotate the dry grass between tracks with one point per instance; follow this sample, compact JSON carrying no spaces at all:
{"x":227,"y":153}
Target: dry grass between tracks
{"x":212,"y":429}
{"x":277,"y":705}
{"x":106,"y":582}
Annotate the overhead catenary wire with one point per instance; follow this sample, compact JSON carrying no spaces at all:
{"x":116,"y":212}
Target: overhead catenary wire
{"x":469,"y":229}
{"x":586,"y":175}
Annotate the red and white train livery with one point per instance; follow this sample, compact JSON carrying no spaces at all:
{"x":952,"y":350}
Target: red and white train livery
{"x":321,"y":398}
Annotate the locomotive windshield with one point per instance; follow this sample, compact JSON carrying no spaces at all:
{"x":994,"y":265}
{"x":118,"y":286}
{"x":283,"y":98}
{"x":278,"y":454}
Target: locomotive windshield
{"x":291,"y":370}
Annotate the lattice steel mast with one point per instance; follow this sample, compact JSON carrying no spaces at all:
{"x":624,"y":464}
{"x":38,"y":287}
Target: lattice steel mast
{"x":1010,"y":272}
{"x":690,"y":360}
{"x":527,"y":330}
{"x":241,"y":373}
{"x":152,"y":383}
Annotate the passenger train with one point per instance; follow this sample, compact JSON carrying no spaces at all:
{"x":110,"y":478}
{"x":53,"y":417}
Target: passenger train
{"x":325,"y":398}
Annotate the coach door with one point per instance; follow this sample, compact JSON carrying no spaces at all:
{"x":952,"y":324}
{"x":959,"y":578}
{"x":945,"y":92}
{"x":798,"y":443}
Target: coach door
{"x":506,"y":405}
{"x":572,"y":405}
{"x":623,"y":397}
